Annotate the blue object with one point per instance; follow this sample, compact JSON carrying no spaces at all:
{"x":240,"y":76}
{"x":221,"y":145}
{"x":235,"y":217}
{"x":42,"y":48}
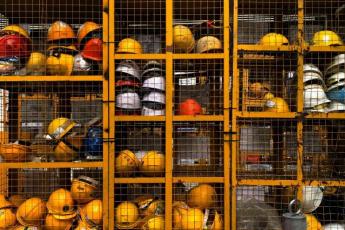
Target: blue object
{"x":337,"y":94}
{"x":93,"y":142}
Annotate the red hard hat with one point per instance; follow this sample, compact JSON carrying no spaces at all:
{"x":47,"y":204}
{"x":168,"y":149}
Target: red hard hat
{"x":93,"y":49}
{"x":122,"y":83}
{"x":189,"y":107}
{"x":14,"y":45}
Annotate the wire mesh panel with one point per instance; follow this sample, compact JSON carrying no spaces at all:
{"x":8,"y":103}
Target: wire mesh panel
{"x":140,"y":206}
{"x":265,"y":149}
{"x":269,"y":22}
{"x":198,"y":149}
{"x":268,"y":81}
{"x":198,"y":206}
{"x":140,"y":26}
{"x":198,"y":84}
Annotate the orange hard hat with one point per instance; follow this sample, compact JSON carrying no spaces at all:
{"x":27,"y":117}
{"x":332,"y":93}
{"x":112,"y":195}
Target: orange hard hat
{"x":189,"y":107}
{"x":60,"y":30}
{"x":85,"y":29}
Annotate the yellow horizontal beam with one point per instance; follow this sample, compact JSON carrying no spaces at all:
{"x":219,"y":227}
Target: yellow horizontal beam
{"x":326,"y":116}
{"x":198,"y":118}
{"x":249,"y":47}
{"x":199,"y":56}
{"x":139,"y":56}
{"x":52,"y":165}
{"x":325,"y":48}
{"x":325,"y":183}
{"x":51,"y":78}
{"x":256,"y":182}
{"x":140,"y":180}
{"x":198,"y":179}
{"x":163,"y":56}
{"x":139,"y":118}
{"x":288,"y":115}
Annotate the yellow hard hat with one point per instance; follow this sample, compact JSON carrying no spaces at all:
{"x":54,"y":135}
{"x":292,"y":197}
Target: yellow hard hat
{"x":64,"y":152}
{"x":31,"y":212}
{"x":16,"y":29}
{"x":208,"y":44}
{"x":37,"y":63}
{"x":193,"y":219}
{"x":179,"y":209}
{"x":268,"y":96}
{"x":60,"y":64}
{"x":60,"y":30}
{"x":155,"y":223}
{"x":276,"y":104}
{"x":5,"y":203}
{"x":153,"y":162}
{"x":85,"y":29}
{"x":273,"y":39}
{"x":326,"y":38}
{"x":12,"y":152}
{"x":7,"y":218}
{"x":83,"y":189}
{"x":59,"y":127}
{"x":16,"y":200}
{"x":129,"y":46}
{"x":92,"y":213}
{"x":312,"y":222}
{"x":61,"y":204}
{"x":126,"y":163}
{"x":183,"y":39}
{"x":51,"y":223}
{"x":126,"y":213}
{"x":202,"y":196}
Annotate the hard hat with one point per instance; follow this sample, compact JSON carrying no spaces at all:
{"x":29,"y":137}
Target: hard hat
{"x":60,"y":30}
{"x":314,"y":95}
{"x":312,"y":222}
{"x":268,"y":96}
{"x":179,"y":209}
{"x":153,"y":162}
{"x":7,"y":218}
{"x":15,"y":29}
{"x":16,"y":200}
{"x":126,"y":213}
{"x":93,"y":49}
{"x":60,"y":60}
{"x":326,"y":38}
{"x":313,"y":78}
{"x":336,"y":80}
{"x":8,"y":66}
{"x":193,"y":219}
{"x":83,"y":189}
{"x":93,"y":142}
{"x":5,"y":203}
{"x":154,"y":83}
{"x":155,"y":223}
{"x":311,"y":68}
{"x":13,"y":152}
{"x":128,"y":70}
{"x":153,"y":72}
{"x":259,"y":89}
{"x":149,"y":206}
{"x":85,"y":29}
{"x":335,"y":106}
{"x":130,"y":46}
{"x":130,"y":100}
{"x":31,"y":212}
{"x":312,"y":197}
{"x":126,"y":162}
{"x":333,"y":226}
{"x":64,"y":151}
{"x":337,"y":65}
{"x":92,"y":213}
{"x":61,"y":204}
{"x":189,"y":107}
{"x":81,"y":66}
{"x":208,"y":44}
{"x":13,"y":45}
{"x":202,"y":196}
{"x":337,"y":93}
{"x":146,"y":111}
{"x":183,"y":39}
{"x":152,"y":64}
{"x":273,"y":39}
{"x":155,"y":98}
{"x":36,"y":64}
{"x":51,"y":223}
{"x":59,"y":127}
{"x":130,"y":84}
{"x":277,"y":105}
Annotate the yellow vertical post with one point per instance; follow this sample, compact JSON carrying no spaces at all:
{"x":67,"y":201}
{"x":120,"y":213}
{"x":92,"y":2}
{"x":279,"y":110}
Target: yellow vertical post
{"x":226,"y":112}
{"x":105,"y":116}
{"x":169,"y":115}
{"x":111,"y":113}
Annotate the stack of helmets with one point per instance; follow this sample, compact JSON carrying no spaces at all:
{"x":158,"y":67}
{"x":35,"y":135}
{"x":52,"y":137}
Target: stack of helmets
{"x":153,"y":102}
{"x":127,"y":87}
{"x":335,"y":74}
{"x":15,"y":49}
{"x":315,"y":98}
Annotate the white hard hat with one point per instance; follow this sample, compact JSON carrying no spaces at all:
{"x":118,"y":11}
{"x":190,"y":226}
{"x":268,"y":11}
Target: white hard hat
{"x":128,"y":100}
{"x":81,"y":66}
{"x":154,"y":83}
{"x":311,"y":68}
{"x":335,"y":106}
{"x":312,"y":198}
{"x":314,"y":95}
{"x":333,"y":226}
{"x":335,"y":80}
{"x":338,"y":64}
{"x":127,"y":69}
{"x":154,"y":97}
{"x":146,"y":111}
{"x":313,"y":78}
